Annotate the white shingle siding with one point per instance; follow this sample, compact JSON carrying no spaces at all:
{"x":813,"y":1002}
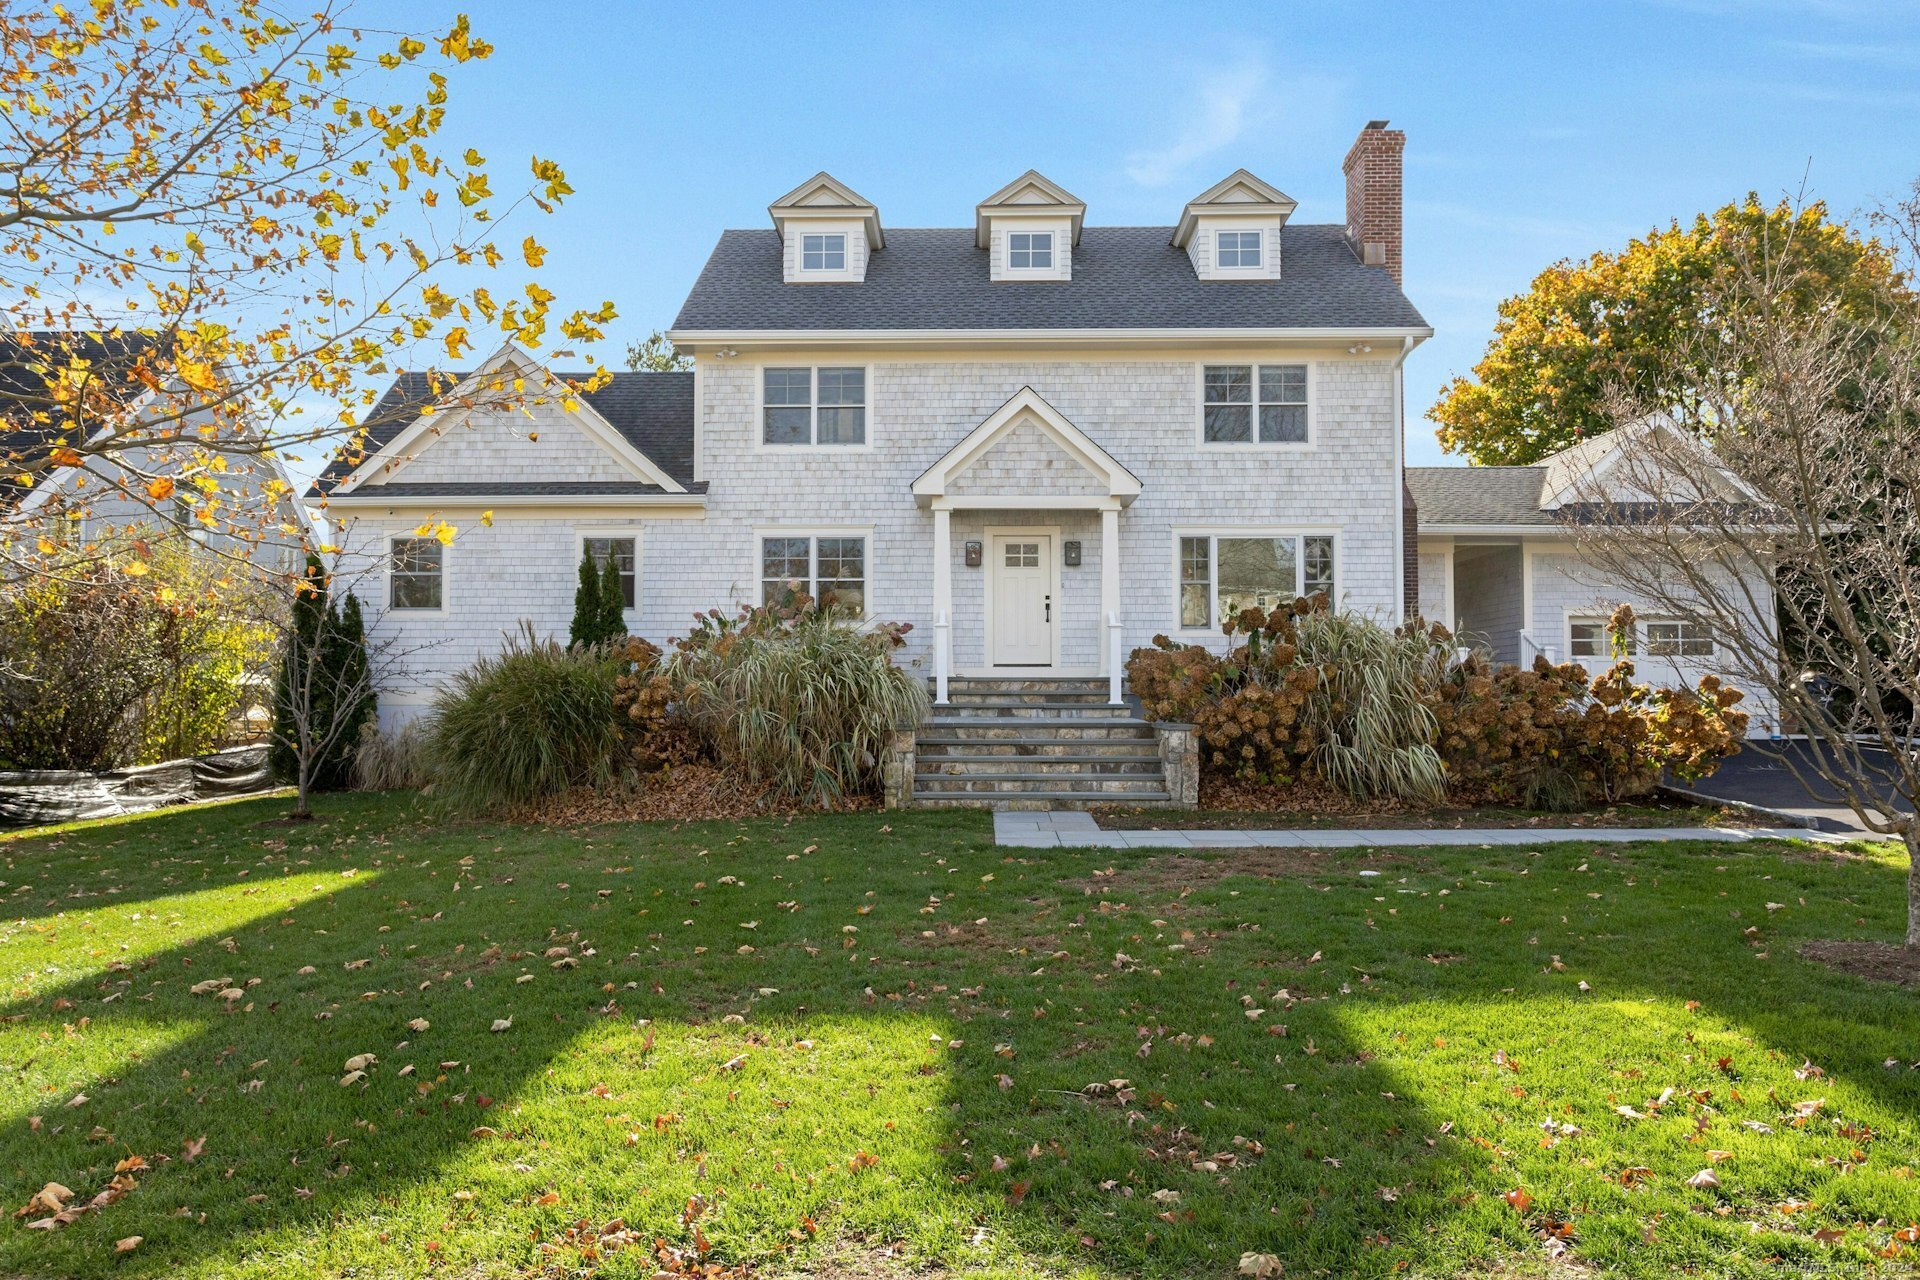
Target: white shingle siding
{"x":1566,"y":585}
{"x":1143,"y":410}
{"x":541,"y":442}
{"x":1436,"y":566}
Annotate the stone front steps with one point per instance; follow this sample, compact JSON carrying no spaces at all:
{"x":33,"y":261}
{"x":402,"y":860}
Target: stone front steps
{"x":1035,"y":743}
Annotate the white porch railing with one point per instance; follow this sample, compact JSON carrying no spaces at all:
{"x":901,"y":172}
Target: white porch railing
{"x":1114,"y":668}
{"x":1529,"y":648}
{"x":942,"y":657}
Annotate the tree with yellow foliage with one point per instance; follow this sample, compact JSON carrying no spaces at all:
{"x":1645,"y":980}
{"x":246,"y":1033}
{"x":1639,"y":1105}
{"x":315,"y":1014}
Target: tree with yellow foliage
{"x":222,"y":228}
{"x":1613,"y":321}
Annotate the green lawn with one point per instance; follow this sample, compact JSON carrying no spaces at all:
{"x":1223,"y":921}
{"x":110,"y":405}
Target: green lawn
{"x":810,"y":1044}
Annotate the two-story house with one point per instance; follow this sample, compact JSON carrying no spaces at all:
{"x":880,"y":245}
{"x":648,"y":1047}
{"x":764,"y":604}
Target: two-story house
{"x":1040,"y":441}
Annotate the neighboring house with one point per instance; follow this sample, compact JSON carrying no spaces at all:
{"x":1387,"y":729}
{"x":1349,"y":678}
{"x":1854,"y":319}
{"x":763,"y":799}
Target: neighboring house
{"x":1041,"y":442}
{"x":1502,"y":563}
{"x":248,"y":511}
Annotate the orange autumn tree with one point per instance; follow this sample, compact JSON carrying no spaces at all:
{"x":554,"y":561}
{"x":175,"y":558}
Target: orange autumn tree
{"x":1584,"y":328}
{"x":222,"y":229}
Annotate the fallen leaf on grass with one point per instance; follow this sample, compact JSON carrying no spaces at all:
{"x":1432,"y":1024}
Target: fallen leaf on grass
{"x":127,"y":1244}
{"x":1703,"y":1180}
{"x":190,"y":1149}
{"x":418,"y":1024}
{"x":1519,"y":1199}
{"x":1259,"y":1264}
{"x":503,"y":1024}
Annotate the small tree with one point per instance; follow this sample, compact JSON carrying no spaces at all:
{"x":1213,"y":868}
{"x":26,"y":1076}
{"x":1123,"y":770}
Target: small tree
{"x":586,"y":604}
{"x":1807,"y":504}
{"x":656,"y":355}
{"x":613,"y":602}
{"x":329,"y":676}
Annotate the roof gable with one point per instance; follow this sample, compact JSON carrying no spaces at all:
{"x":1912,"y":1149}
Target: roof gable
{"x":824,"y":195}
{"x":1026,"y":419}
{"x":651,"y":412}
{"x":1030,"y":193}
{"x":1240,"y":193}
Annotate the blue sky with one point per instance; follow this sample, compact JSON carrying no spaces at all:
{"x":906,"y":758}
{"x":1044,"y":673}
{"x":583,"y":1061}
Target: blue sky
{"x":1535,"y":131}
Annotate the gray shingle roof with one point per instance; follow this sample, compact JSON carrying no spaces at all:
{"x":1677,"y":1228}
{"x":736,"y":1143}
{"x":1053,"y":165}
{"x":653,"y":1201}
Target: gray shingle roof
{"x":654,"y":411}
{"x":1479,"y":495}
{"x":1123,"y":278}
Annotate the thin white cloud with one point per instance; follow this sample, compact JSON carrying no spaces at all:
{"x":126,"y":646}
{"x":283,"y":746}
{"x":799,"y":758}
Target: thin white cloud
{"x":1225,"y":107}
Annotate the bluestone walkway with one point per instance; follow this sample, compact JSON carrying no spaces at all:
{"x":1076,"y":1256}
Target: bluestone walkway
{"x":1053,"y":829}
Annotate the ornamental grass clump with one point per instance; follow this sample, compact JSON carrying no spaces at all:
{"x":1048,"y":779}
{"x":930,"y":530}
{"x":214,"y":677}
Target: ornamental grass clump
{"x":797,"y":698}
{"x":1306,"y":694}
{"x":524,"y":725}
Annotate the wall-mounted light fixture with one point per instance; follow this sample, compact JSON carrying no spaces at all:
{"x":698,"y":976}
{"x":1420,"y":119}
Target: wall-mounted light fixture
{"x":1359,"y":349}
{"x":973,"y":554}
{"x":1072,"y":550}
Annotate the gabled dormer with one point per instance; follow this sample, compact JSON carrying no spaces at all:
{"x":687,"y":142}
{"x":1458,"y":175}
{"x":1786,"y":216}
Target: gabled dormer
{"x":827,"y":230}
{"x":1231,"y":231}
{"x":1029,"y":229}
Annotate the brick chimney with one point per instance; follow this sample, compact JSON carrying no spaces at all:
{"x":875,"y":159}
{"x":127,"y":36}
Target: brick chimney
{"x":1373,"y":196}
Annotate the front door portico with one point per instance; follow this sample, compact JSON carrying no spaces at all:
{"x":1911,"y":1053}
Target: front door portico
{"x":1024,"y":457}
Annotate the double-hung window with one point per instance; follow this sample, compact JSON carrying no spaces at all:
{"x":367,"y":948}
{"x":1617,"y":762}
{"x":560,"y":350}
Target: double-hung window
{"x":1237,"y":248}
{"x":1590,"y":638}
{"x":416,"y":574}
{"x":832,"y":568}
{"x":1030,"y":250}
{"x":1674,"y":639}
{"x":1221,"y":574}
{"x":823,"y":252}
{"x":621,"y":552}
{"x":1254,"y":404}
{"x":826,"y":406}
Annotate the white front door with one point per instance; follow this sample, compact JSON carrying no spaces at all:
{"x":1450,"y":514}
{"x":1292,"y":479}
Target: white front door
{"x":1022,"y":568}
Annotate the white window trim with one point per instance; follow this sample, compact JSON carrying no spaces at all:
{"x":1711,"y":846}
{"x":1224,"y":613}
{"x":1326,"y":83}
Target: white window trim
{"x":846,"y":253}
{"x":760,"y":444}
{"x":446,"y":578}
{"x":1260,"y":242}
{"x":1005,"y":224}
{"x":1570,"y":618}
{"x":1312,"y":442}
{"x":1213,"y":565}
{"x":639,"y":564}
{"x":1642,"y":626}
{"x":814,"y":532}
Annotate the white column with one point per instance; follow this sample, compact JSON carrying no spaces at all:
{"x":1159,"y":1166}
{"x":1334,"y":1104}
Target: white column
{"x":1110,"y":598}
{"x":942,"y":602}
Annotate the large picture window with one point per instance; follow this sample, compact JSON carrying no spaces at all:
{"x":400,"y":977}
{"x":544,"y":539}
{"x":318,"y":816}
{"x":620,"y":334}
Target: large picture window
{"x":832,"y":568}
{"x":1254,"y":404}
{"x":814,"y":406}
{"x":416,"y":577}
{"x":1221,"y":574}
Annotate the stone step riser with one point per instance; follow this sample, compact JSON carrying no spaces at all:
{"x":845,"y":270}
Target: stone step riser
{"x":1012,"y":731}
{"x":958,"y":700}
{"x":1031,"y":711}
{"x":984,"y":766}
{"x":1081,"y":752}
{"x":1056,"y":801}
{"x":952,"y":786}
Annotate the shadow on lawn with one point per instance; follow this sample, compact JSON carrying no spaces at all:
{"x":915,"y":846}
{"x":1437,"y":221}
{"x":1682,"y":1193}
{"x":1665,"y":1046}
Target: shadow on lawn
{"x":1343,"y":1171}
{"x":1339,"y":1165}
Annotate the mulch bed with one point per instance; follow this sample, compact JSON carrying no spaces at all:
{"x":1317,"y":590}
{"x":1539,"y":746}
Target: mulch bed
{"x":1315,"y":805}
{"x":681,"y":793}
{"x":1880,"y":961}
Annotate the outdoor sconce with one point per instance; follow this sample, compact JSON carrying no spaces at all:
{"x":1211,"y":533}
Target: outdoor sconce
{"x":1073,"y":554}
{"x":973,"y":555}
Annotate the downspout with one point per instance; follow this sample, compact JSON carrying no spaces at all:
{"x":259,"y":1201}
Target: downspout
{"x":1400,"y":474}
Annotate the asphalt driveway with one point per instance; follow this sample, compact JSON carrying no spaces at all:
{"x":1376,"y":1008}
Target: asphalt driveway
{"x":1761,"y":775}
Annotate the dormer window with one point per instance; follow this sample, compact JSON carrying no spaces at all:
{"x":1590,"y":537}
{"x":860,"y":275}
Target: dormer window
{"x":1239,"y":248}
{"x":1030,"y":250}
{"x":823,"y":252}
